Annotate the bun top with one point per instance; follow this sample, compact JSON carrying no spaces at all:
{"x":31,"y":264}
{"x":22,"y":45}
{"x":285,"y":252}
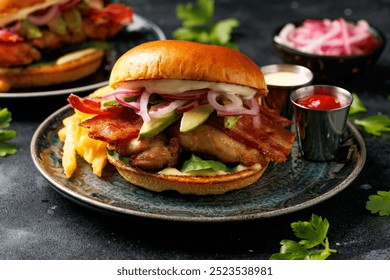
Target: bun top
{"x":184,"y":60}
{"x":11,"y":10}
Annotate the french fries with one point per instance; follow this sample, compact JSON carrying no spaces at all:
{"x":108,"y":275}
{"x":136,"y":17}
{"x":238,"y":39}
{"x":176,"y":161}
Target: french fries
{"x":76,"y":141}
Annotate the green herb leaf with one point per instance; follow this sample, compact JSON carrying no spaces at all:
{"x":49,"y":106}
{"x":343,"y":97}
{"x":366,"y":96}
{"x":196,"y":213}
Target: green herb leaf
{"x":312,"y":235}
{"x":379,"y":203}
{"x":198,"y":24}
{"x":6,"y":134}
{"x":7,"y":149}
{"x":375,"y":125}
{"x":192,"y":16}
{"x":357,"y":105}
{"x":196,"y":164}
{"x":5,"y":117}
{"x":221,"y":31}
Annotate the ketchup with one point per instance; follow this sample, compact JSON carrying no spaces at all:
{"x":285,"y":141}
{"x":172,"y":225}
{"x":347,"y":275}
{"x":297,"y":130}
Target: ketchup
{"x":320,"y":102}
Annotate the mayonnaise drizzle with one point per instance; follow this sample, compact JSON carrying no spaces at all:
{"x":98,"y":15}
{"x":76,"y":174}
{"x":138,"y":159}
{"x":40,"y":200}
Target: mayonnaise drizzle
{"x":177,"y":86}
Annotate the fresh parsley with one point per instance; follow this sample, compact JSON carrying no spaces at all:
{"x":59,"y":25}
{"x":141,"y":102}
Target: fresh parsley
{"x":374,"y":125}
{"x":6,"y":148}
{"x":379,"y":203}
{"x":313,"y":235}
{"x":198,"y":24}
{"x":357,"y":105}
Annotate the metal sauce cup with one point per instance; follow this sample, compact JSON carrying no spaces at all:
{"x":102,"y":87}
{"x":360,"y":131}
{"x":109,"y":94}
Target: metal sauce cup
{"x":281,"y":80}
{"x":320,"y":131}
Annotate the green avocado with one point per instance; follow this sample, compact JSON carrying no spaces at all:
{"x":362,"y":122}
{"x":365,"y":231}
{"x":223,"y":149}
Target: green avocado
{"x":195,"y":117}
{"x":157,"y":125}
{"x":57,"y":25}
{"x":29,"y":30}
{"x":73,"y":19}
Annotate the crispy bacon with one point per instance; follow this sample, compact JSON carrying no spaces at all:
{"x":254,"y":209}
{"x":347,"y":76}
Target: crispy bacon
{"x":117,"y":13}
{"x":110,"y":128}
{"x":91,"y":106}
{"x":272,"y":140}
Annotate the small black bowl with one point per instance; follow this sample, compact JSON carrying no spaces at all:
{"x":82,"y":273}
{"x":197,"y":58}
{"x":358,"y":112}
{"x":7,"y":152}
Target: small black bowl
{"x":331,"y":68}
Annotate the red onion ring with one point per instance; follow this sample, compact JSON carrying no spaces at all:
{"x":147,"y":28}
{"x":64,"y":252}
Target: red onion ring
{"x":40,"y":20}
{"x":166,"y":109}
{"x":144,"y":100}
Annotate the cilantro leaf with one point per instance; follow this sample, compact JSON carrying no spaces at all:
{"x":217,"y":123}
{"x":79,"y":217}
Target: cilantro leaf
{"x":198,"y":24}
{"x":6,"y":134}
{"x":312,"y":235}
{"x":379,"y":203}
{"x":357,"y":105}
{"x":375,"y":125}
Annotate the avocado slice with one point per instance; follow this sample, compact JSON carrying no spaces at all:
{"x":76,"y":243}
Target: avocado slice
{"x":57,"y":25}
{"x":73,"y":19}
{"x":29,"y":30}
{"x":195,"y":117}
{"x":157,"y":125}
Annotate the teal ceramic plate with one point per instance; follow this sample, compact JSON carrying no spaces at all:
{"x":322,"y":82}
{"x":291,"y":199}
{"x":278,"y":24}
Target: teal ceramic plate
{"x":139,"y":31}
{"x":284,"y":188}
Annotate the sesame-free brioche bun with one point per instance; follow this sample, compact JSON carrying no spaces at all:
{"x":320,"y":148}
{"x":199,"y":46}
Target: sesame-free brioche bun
{"x":195,"y":185}
{"x":52,"y":74}
{"x":184,"y":60}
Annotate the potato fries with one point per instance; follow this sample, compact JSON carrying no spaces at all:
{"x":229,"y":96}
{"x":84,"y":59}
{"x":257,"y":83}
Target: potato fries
{"x":76,"y":141}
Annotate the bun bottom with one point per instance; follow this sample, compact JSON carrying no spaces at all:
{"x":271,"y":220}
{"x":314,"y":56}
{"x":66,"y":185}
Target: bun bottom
{"x":195,"y":185}
{"x":50,"y":74}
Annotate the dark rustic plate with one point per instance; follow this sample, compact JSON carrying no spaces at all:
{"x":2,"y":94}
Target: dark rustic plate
{"x":284,"y":188}
{"x":139,"y":31}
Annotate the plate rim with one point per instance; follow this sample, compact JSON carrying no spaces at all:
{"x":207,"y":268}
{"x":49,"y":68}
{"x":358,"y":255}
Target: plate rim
{"x":97,"y":205}
{"x":160,"y":34}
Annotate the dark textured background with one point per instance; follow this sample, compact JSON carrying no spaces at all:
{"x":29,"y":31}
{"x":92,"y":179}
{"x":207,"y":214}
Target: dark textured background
{"x":36,"y":222}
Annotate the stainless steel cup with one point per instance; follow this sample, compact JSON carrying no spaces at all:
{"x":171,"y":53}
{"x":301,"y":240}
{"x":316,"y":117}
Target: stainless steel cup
{"x":320,"y":131}
{"x":281,"y":80}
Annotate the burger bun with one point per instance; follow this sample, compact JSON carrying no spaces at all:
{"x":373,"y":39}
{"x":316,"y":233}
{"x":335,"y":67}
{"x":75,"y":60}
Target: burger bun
{"x":68,"y":68}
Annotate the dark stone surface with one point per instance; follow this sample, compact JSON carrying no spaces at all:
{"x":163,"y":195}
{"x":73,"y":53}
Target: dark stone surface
{"x":36,"y":222}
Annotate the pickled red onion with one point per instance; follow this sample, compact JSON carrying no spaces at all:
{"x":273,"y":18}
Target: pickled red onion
{"x":328,"y":37}
{"x":42,"y":19}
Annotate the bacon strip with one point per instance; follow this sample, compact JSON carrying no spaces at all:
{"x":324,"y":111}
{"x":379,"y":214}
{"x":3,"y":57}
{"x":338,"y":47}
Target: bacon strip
{"x":93,"y":107}
{"x":110,"y":128}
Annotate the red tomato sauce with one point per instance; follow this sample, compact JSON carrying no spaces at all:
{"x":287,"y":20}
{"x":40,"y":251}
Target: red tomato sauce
{"x":320,"y":102}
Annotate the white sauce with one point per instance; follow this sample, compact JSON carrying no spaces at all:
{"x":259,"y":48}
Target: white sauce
{"x":74,"y":55}
{"x":285,"y":79}
{"x":175,"y":172}
{"x":177,"y":86}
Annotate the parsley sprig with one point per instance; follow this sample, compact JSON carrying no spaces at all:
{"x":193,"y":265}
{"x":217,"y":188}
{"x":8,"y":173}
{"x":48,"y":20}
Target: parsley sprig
{"x":375,"y":125}
{"x":6,"y":148}
{"x":198,"y":24}
{"x":379,"y":203}
{"x":314,"y":244}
